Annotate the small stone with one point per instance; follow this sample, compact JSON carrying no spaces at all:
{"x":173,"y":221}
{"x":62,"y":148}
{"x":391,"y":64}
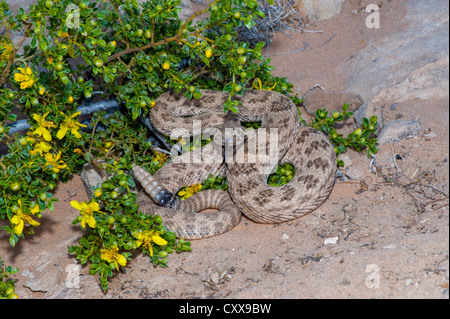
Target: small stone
{"x":354,"y":173}
{"x":408,"y":282}
{"x":285,"y":236}
{"x":330,"y":241}
{"x":311,"y":219}
{"x":431,"y":134}
{"x":346,"y":159}
{"x":215,"y":277}
{"x":390,"y":246}
{"x":27,"y":273}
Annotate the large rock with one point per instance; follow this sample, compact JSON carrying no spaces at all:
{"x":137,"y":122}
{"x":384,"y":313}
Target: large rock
{"x":410,"y":64}
{"x":398,"y":130}
{"x":429,"y":81}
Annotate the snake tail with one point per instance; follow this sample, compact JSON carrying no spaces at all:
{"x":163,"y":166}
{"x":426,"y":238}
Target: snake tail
{"x":158,"y":193}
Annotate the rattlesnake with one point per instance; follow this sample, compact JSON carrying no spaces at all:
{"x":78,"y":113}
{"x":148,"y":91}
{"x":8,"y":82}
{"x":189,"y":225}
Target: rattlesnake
{"x":307,"y":149}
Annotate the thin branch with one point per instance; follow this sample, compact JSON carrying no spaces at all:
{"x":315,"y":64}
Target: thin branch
{"x":327,"y":40}
{"x":153,"y":44}
{"x":295,"y":51}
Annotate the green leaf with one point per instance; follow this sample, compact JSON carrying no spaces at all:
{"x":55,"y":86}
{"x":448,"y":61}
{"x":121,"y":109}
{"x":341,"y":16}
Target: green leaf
{"x":365,"y":122}
{"x":205,"y":60}
{"x":43,"y":44}
{"x":131,"y":182}
{"x":33,"y":42}
{"x":249,"y":23}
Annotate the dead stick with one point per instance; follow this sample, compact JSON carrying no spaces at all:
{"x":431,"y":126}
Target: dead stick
{"x":327,"y":40}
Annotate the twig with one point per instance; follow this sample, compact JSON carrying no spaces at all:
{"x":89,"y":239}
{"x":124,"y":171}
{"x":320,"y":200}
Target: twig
{"x":373,"y":163}
{"x":327,"y":40}
{"x":312,"y":88}
{"x":274,"y":20}
{"x":89,"y":108}
{"x":393,"y":155}
{"x":164,"y":41}
{"x":295,"y":51}
{"x":312,"y":31}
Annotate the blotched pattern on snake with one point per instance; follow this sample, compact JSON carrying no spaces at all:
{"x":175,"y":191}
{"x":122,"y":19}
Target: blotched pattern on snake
{"x":307,"y":149}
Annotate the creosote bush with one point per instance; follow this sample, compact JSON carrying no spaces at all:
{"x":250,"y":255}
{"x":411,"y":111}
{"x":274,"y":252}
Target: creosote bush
{"x":7,"y":287}
{"x":70,"y":51}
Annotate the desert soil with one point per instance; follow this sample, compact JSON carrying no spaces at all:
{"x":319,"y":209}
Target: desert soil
{"x":382,"y":234}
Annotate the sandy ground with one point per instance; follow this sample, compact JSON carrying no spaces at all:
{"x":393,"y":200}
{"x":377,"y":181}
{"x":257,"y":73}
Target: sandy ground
{"x":374,"y":237}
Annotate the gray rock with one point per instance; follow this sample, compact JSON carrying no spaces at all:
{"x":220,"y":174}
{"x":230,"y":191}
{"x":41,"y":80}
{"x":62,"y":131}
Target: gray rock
{"x":45,"y":279}
{"x":92,"y":176}
{"x":398,"y":130}
{"x":354,"y":173}
{"x":412,"y":63}
{"x":346,"y":159}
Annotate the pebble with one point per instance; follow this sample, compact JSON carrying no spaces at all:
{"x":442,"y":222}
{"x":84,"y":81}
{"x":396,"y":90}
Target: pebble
{"x":330,"y":241}
{"x":431,"y":134}
{"x":285,"y":236}
{"x":215,"y":277}
{"x":311,"y":219}
{"x":354,"y":173}
{"x":390,"y":246}
{"x":346,"y":159}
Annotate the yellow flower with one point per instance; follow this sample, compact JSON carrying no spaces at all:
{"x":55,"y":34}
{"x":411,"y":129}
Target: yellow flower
{"x":20,"y":218}
{"x":25,"y":77}
{"x":7,"y":53}
{"x":55,"y":162}
{"x":35,"y":209}
{"x":71,"y":125}
{"x":40,"y":147}
{"x":87,"y":211}
{"x":187,"y":192}
{"x":160,"y":157}
{"x":43,"y":126}
{"x":112,"y":256}
{"x":259,"y":86}
{"x":149,"y":236}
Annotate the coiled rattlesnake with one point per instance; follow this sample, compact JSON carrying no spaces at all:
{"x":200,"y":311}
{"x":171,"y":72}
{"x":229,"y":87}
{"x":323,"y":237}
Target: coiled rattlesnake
{"x":307,"y":149}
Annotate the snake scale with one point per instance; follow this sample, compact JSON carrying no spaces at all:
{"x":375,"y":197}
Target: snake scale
{"x":307,"y":149}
